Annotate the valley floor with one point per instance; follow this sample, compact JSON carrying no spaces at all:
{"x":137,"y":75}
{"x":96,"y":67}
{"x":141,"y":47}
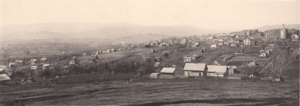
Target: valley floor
{"x":109,"y":89}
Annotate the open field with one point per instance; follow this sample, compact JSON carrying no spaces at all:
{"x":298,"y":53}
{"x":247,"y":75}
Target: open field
{"x":109,"y":89}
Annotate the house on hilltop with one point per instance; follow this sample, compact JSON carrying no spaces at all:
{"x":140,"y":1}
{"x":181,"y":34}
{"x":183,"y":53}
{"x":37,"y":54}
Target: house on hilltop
{"x":295,"y":37}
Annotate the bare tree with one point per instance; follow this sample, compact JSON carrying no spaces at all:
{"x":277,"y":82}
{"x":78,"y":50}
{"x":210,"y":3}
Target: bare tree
{"x":280,"y":59}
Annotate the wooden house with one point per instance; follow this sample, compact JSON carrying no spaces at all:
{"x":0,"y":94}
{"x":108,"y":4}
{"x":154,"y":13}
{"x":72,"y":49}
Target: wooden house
{"x":19,"y":62}
{"x":167,"y":72}
{"x":216,"y":70}
{"x":34,"y":67}
{"x":4,"y":77}
{"x":156,"y":64}
{"x":3,"y":68}
{"x":112,"y":50}
{"x":252,"y":76}
{"x":72,"y":62}
{"x":252,"y":63}
{"x":249,"y":42}
{"x":231,"y":69}
{"x":154,"y":75}
{"x":213,"y":46}
{"x":295,"y":37}
{"x":44,"y":59}
{"x":262,"y":55}
{"x":187,"y":59}
{"x":46,"y":66}
{"x":194,"y":69}
{"x":33,"y":60}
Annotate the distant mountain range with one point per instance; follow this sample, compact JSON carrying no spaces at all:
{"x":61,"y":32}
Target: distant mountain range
{"x":288,"y":26}
{"x":96,"y":31}
{"x":117,"y":31}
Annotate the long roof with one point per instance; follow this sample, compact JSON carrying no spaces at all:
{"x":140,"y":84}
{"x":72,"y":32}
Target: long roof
{"x":195,"y":66}
{"x":168,"y":70}
{"x":216,"y":68}
{"x":2,"y":67}
{"x":4,"y":77}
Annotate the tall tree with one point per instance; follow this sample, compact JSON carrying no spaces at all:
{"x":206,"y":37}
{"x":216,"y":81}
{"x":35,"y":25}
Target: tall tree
{"x":280,"y":59}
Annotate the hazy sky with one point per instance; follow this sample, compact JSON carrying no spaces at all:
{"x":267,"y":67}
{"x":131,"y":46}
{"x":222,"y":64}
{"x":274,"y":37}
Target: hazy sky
{"x":233,"y":14}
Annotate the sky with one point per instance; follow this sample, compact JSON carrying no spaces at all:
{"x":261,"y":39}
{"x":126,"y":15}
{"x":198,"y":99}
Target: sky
{"x":213,"y":14}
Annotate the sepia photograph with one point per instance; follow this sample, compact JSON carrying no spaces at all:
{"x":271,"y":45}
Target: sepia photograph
{"x":149,"y":52}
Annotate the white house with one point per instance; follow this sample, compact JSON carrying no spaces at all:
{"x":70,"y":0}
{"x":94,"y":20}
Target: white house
{"x":262,"y":55}
{"x":213,"y":46}
{"x":46,"y":66}
{"x":216,"y":70}
{"x":194,"y":69}
{"x":35,"y":67}
{"x":187,"y":59}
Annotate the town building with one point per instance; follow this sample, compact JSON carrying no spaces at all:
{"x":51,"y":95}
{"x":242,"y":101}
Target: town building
{"x":216,"y":70}
{"x":194,"y":69}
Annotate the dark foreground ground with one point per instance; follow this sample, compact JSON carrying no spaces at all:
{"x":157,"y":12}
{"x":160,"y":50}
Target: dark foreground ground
{"x":99,"y":89}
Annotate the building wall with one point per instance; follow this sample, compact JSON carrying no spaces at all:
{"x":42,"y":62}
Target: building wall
{"x":241,"y":33}
{"x":275,"y":33}
{"x":164,"y":75}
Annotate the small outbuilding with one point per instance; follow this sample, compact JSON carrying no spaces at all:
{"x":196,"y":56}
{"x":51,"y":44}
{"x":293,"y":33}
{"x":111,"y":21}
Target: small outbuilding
{"x":4,"y":77}
{"x":252,"y":63}
{"x":154,"y":75}
{"x":187,"y":59}
{"x":167,"y":72}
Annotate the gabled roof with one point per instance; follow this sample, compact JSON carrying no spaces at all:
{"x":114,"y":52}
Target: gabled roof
{"x":195,"y":66}
{"x":4,"y":77}
{"x":216,"y":68}
{"x":168,"y":70}
{"x":2,"y":67}
{"x":234,"y":67}
{"x":154,"y":74}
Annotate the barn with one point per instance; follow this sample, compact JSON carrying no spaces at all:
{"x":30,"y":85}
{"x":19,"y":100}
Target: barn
{"x":167,"y":72}
{"x":216,"y":70}
{"x":194,"y":69}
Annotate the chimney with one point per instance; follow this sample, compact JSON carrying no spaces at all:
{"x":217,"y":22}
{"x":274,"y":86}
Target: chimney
{"x":283,"y":26}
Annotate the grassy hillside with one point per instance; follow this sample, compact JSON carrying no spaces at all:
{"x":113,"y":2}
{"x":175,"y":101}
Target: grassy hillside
{"x":108,"y":89}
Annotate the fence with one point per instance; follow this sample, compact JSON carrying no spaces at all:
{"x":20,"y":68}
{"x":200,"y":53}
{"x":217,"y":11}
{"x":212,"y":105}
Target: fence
{"x":249,"y":59}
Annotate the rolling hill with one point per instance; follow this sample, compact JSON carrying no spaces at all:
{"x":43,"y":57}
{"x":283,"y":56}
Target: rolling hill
{"x":289,"y":26}
{"x":96,"y":31}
